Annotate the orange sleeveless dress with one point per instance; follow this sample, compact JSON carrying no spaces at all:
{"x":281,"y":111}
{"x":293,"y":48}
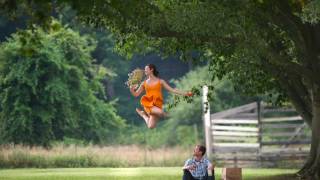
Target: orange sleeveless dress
{"x":153,"y":96}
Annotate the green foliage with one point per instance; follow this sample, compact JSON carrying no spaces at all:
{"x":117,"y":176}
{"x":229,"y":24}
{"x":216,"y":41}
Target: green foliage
{"x":184,"y":140}
{"x":311,"y":12}
{"x":261,"y":46}
{"x":49,"y":87}
{"x":257,"y":44}
{"x":141,"y":136}
{"x":116,"y":67}
{"x":70,"y":142}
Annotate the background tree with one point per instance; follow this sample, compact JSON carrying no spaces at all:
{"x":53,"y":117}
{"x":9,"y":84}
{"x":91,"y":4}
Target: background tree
{"x":49,"y":87}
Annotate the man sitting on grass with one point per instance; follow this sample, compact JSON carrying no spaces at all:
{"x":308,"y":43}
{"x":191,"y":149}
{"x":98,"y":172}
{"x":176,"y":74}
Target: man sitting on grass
{"x":197,"y":168}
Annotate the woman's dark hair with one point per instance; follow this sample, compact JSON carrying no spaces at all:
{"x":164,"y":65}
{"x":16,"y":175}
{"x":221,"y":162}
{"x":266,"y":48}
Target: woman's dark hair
{"x":202,"y":149}
{"x":153,"y":67}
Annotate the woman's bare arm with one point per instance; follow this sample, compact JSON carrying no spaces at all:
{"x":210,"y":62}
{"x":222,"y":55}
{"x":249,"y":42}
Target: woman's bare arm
{"x":137,"y":92}
{"x":175,"y":91}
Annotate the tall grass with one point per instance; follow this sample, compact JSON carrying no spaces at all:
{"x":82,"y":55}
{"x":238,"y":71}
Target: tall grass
{"x":13,"y":156}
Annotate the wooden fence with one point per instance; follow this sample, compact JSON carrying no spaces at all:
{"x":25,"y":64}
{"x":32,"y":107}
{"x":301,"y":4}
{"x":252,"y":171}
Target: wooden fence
{"x":255,"y":135}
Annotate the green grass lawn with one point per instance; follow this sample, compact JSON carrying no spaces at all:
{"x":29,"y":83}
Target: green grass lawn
{"x":145,"y":173}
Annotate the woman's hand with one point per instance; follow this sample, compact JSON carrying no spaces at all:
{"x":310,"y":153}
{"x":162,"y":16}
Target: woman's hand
{"x":136,"y":90}
{"x":189,"y":94}
{"x":134,"y":87}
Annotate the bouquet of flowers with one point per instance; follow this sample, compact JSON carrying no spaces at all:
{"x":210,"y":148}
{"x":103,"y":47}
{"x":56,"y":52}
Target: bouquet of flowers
{"x":135,"y":78}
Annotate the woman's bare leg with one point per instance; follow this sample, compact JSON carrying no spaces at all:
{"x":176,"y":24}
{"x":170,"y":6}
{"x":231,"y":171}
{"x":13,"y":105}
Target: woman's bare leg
{"x":152,"y":121}
{"x":157,"y":112}
{"x":143,"y":115}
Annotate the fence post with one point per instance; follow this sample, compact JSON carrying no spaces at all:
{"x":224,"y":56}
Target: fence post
{"x":206,"y":119}
{"x":260,"y":115}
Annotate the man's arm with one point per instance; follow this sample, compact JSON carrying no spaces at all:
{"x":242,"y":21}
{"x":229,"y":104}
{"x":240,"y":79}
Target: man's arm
{"x":188,"y":165}
{"x":210,"y":165}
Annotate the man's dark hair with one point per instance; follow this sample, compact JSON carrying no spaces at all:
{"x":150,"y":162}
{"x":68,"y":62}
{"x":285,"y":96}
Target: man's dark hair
{"x":202,"y":149}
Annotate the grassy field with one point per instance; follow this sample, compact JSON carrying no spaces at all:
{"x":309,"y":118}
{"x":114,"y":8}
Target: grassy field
{"x":145,"y":173}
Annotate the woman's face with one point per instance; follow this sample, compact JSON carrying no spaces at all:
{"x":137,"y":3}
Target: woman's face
{"x":147,"y":70}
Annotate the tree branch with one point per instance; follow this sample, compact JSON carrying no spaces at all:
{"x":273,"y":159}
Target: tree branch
{"x":294,"y":92}
{"x":291,"y":67}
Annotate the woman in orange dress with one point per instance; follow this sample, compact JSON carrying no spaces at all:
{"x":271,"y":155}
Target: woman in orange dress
{"x":152,"y":101}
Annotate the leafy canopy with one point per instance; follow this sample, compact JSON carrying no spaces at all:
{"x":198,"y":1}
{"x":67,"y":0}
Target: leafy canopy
{"x":49,"y":87}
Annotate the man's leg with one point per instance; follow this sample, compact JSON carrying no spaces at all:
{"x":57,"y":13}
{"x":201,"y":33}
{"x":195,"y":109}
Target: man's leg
{"x":211,"y":177}
{"x":206,"y":177}
{"x":187,"y":175}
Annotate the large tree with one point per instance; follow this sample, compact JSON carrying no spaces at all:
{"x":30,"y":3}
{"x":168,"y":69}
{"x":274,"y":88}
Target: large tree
{"x":259,"y":44}
{"x":48,"y":89}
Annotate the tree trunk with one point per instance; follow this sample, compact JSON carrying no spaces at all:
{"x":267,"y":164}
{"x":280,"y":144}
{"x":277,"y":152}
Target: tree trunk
{"x":311,"y":169}
{"x":110,"y":89}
